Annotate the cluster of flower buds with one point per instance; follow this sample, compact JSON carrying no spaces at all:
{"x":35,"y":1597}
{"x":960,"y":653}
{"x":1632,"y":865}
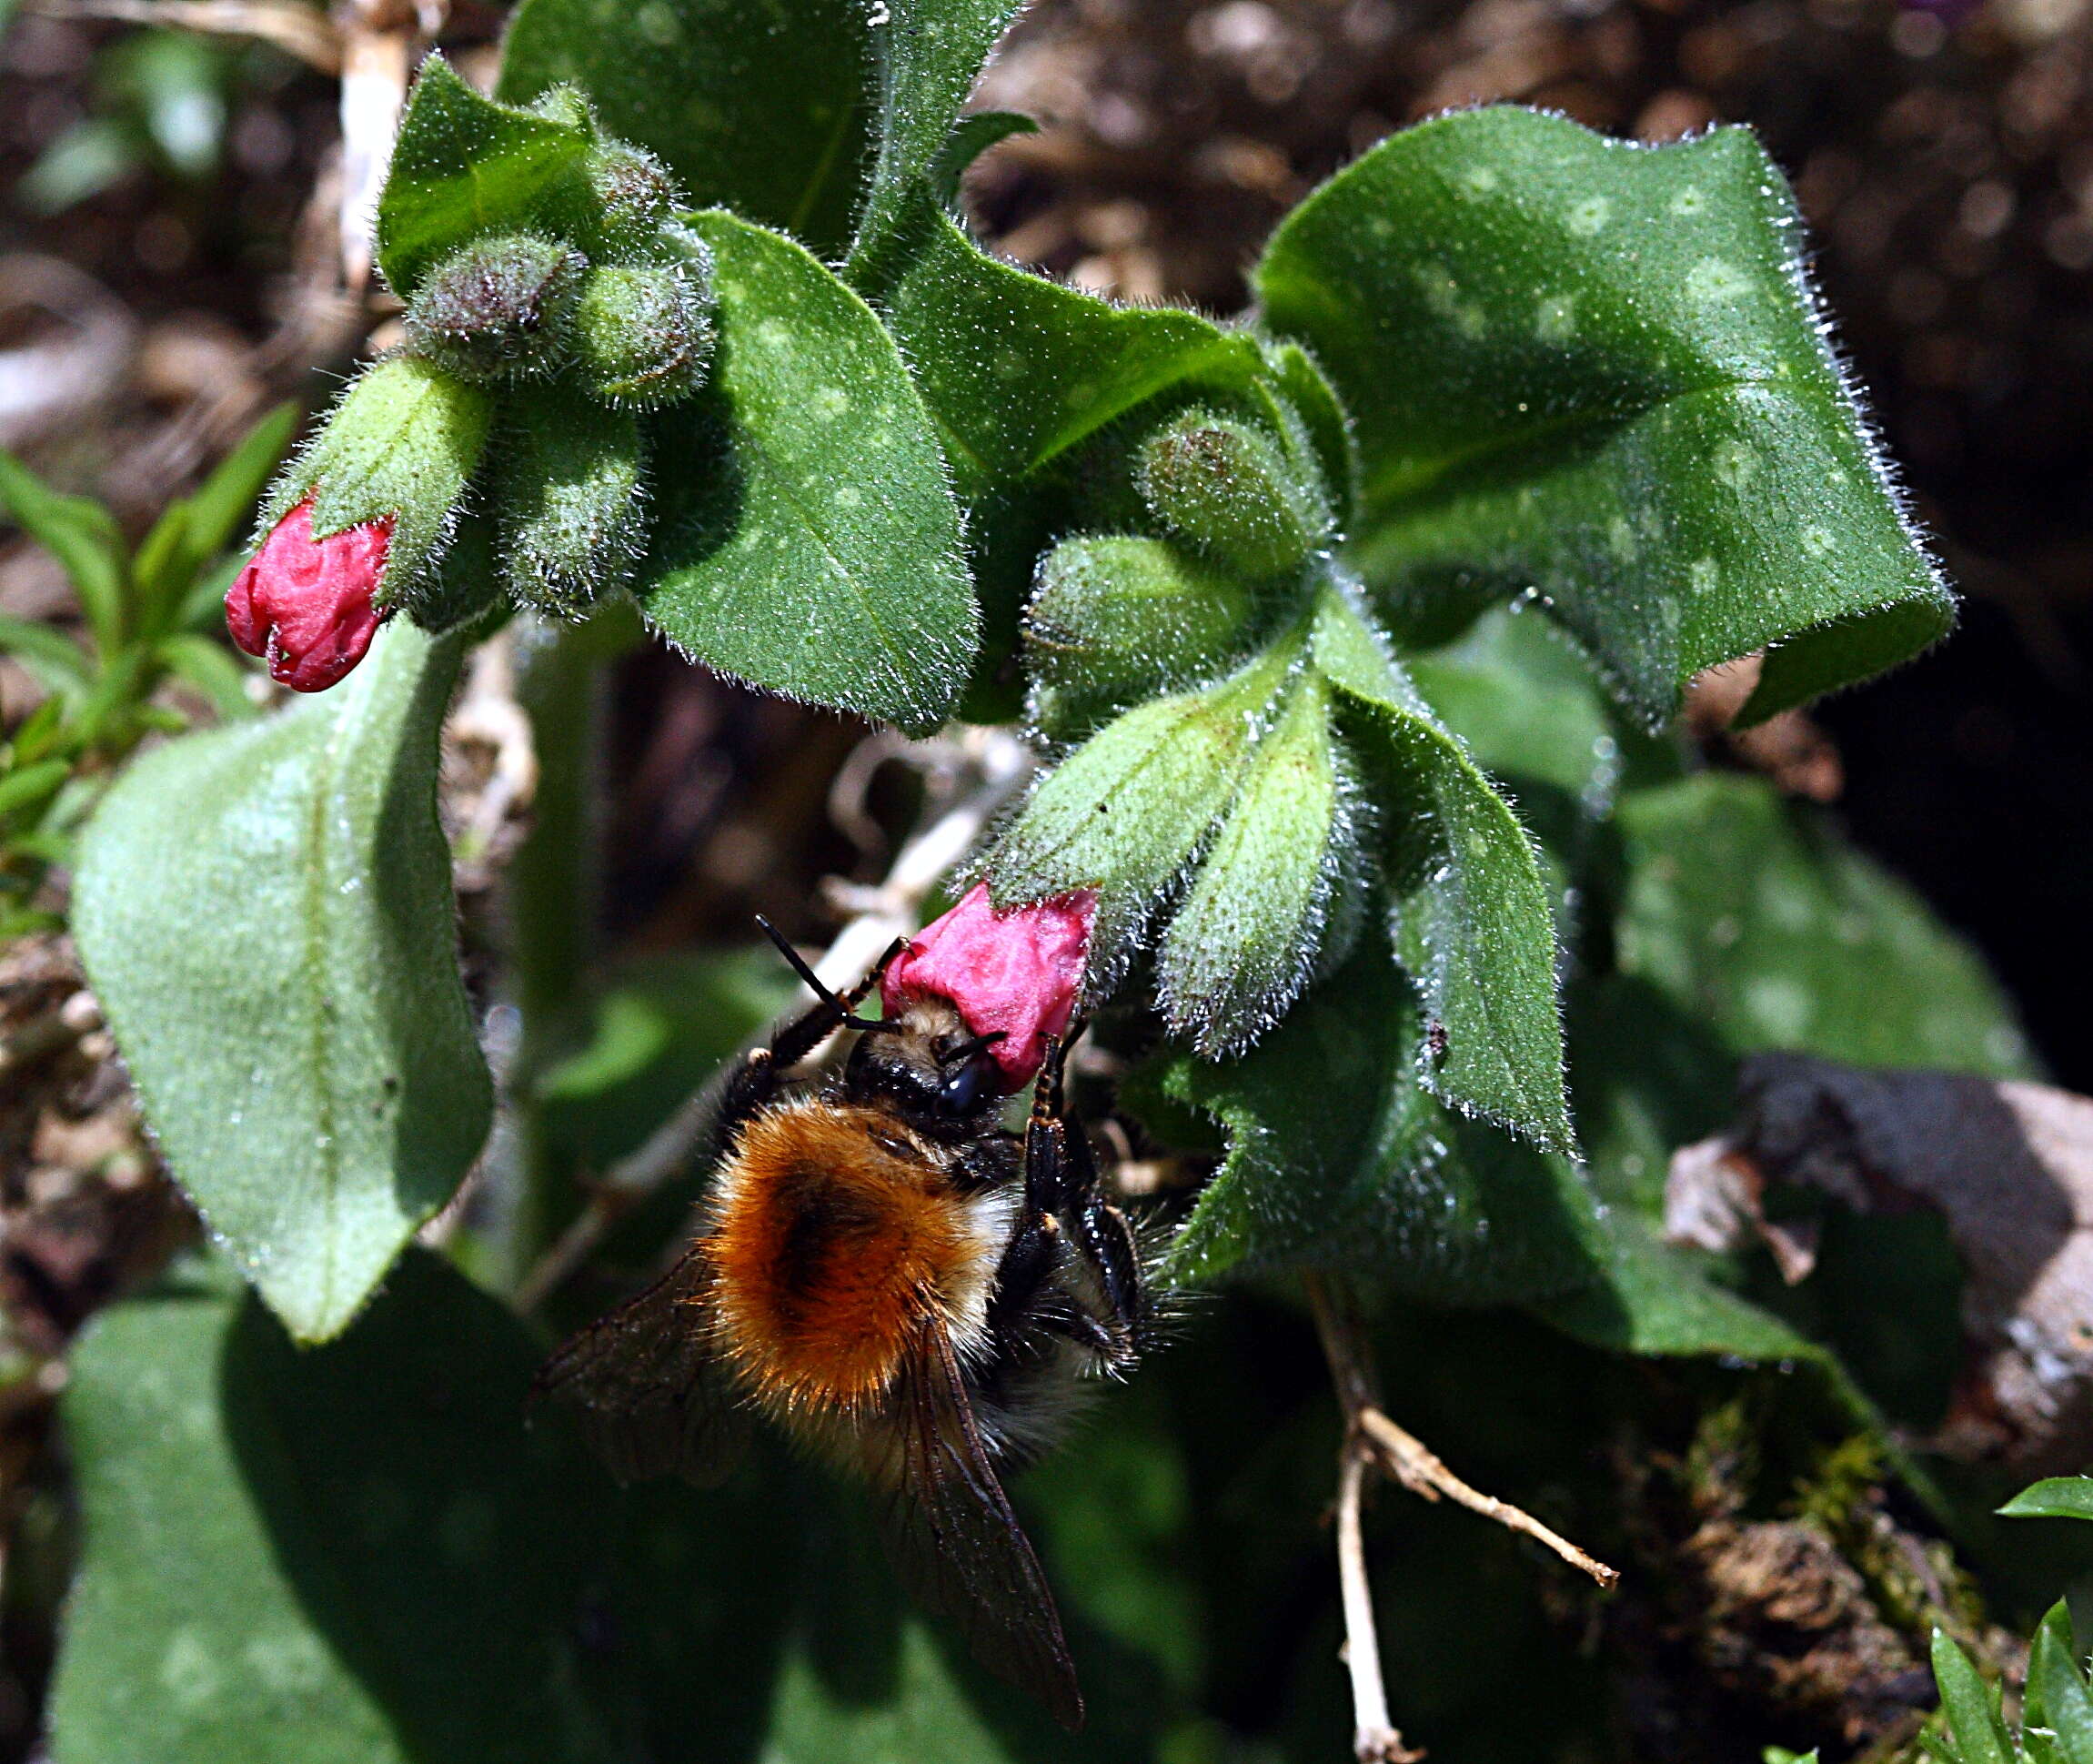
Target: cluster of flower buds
{"x":1236,"y":510}
{"x":502,"y":452}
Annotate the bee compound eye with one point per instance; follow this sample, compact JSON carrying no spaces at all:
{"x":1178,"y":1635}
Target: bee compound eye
{"x":961,"y":1093}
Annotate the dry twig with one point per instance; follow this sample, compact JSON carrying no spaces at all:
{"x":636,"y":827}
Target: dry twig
{"x":1372,"y":1439}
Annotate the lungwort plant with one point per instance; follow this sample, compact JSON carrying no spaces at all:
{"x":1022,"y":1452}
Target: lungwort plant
{"x":1525,"y":429}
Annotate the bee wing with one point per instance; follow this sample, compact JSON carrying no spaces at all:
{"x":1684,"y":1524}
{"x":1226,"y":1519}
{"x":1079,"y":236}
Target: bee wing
{"x":954,"y":1540}
{"x":652,"y":1394}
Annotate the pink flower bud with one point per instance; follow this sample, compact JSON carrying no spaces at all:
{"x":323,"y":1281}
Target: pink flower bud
{"x":306,"y":604}
{"x":1018,"y":970}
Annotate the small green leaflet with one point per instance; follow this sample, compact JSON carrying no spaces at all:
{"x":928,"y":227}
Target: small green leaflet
{"x":464,"y":165}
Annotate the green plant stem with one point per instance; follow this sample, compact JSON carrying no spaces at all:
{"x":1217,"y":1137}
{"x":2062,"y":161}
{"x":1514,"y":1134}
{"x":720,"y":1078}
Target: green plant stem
{"x":553,"y":886}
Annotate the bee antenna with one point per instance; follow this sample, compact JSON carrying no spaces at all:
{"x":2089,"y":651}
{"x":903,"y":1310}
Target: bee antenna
{"x":844,"y":1017}
{"x":979,"y":1044}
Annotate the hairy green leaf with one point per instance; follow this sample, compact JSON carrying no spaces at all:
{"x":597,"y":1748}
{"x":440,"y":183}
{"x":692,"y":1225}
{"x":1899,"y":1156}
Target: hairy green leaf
{"x":181,"y":1624}
{"x":267,"y":915}
{"x":1594,"y":371}
{"x":761,"y":109}
{"x":1338,"y":1158}
{"x":1475,"y":929}
{"x":465,"y":166}
{"x":928,"y":52}
{"x":1017,"y":370}
{"x":972,"y":135}
{"x":1244,"y":942}
{"x":1654,"y":1299}
{"x":805,"y":538}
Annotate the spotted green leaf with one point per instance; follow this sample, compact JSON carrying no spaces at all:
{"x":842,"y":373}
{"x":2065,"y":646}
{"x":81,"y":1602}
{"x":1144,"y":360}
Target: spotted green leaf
{"x":1595,"y":370}
{"x":805,"y":539}
{"x":1018,"y":369}
{"x":1337,"y":1158}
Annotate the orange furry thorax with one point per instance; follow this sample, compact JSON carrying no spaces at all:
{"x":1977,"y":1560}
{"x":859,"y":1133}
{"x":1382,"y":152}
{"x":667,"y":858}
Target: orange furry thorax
{"x":831,"y":1236}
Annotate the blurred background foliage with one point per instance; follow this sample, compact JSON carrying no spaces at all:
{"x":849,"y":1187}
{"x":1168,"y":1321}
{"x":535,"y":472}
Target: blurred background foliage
{"x":1896,"y":878}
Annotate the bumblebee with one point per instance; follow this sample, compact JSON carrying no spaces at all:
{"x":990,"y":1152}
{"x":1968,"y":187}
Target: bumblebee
{"x":904,"y":1286}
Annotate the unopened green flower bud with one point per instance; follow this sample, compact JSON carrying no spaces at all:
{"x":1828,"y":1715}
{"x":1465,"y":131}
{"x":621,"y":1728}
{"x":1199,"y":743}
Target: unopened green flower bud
{"x":643,"y":332}
{"x":1114,"y":622}
{"x":636,"y":194}
{"x":498,"y":308}
{"x":399,"y":451}
{"x":571,"y":494}
{"x":1231,"y":493}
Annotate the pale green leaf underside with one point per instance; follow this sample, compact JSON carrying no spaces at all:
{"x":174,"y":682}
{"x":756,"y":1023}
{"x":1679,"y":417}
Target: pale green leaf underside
{"x":1243,"y":944}
{"x":1594,"y":371}
{"x":266,"y":913}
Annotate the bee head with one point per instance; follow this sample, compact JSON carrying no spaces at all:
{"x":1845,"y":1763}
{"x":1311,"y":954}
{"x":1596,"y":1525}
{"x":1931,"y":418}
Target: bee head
{"x":926,"y":1066}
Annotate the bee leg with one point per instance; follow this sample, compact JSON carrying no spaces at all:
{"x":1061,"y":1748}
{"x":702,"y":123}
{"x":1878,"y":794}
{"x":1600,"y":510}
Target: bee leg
{"x":1061,"y":1180}
{"x":1107,"y":1240}
{"x":1027,"y":1260}
{"x":862,"y":990}
{"x":1050,"y":1144}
